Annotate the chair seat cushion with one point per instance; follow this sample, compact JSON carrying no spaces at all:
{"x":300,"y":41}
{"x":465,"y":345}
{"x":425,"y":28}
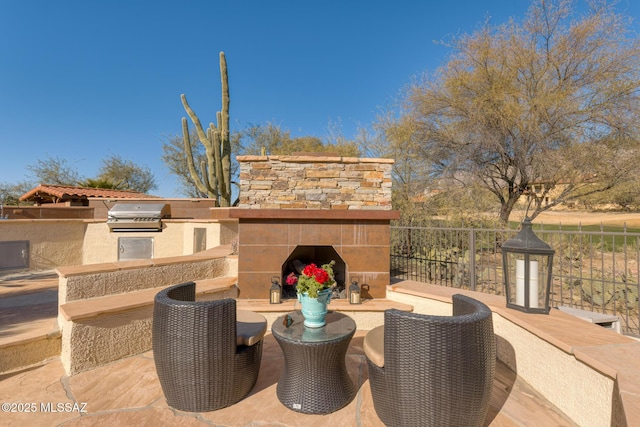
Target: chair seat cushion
{"x":250,"y":327}
{"x":374,"y":346}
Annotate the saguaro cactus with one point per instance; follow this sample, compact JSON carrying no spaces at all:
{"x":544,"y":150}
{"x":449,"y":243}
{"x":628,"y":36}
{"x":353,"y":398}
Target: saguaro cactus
{"x":214,"y":177}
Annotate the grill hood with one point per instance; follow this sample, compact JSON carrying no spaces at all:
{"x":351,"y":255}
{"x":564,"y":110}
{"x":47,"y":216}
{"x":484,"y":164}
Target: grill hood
{"x":138,"y":216}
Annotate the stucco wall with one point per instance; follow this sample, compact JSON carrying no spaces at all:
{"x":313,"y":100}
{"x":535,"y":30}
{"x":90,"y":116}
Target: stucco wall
{"x":64,"y":242}
{"x":91,"y":281}
{"x":176,"y":239}
{"x":52,"y":243}
{"x":580,"y":392}
{"x":94,"y":341}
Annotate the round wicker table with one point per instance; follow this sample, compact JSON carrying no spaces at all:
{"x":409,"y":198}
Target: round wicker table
{"x":315,"y":378}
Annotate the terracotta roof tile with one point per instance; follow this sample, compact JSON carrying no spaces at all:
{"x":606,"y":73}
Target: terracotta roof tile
{"x":60,"y":193}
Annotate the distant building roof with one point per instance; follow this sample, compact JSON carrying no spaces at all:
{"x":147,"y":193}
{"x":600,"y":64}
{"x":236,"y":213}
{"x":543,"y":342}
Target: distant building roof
{"x":62,"y":194}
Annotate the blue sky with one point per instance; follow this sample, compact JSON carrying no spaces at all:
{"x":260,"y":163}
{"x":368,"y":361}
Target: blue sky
{"x":82,"y":80}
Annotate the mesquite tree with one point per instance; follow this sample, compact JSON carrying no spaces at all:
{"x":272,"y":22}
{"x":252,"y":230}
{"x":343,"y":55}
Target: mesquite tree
{"x":551,"y":102}
{"x":214,"y":176}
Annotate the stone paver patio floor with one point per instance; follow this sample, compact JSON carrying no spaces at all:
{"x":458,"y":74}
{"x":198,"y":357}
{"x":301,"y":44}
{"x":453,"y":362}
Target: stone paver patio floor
{"x":128,"y":393}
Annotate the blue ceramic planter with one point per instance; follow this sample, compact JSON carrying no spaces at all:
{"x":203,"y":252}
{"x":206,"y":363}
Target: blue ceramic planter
{"x":314,"y":310}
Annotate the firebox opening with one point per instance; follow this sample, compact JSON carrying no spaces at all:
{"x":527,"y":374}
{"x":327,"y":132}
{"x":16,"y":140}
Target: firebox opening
{"x":319,"y":255}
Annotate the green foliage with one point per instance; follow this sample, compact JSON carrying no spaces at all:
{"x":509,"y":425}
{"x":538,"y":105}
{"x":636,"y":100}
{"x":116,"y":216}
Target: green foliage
{"x":115,"y":172}
{"x":464,"y":205}
{"x":398,"y":139}
{"x":98,"y":183}
{"x":624,"y":197}
{"x":214,"y":176}
{"x":271,"y":139}
{"x":121,"y":174}
{"x":553,"y":99}
{"x":311,"y":286}
{"x":54,"y":171}
{"x":175,"y":158}
{"x":252,"y":140}
{"x":10,"y":193}
{"x":607,"y":294}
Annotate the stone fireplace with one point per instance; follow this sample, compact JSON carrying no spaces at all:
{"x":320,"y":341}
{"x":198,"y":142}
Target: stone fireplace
{"x":313,"y":208}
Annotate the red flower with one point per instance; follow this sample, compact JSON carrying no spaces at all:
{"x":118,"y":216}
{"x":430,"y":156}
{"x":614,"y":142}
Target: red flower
{"x":309,"y":270}
{"x":320,"y":275}
{"x":292,"y":279}
{"x":314,"y":279}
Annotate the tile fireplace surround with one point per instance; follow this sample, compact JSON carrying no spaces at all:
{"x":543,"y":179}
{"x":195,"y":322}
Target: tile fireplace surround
{"x":266,"y":238}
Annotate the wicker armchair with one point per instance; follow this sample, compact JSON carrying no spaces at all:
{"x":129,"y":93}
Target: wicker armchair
{"x":205,"y":358}
{"x":433,"y":370}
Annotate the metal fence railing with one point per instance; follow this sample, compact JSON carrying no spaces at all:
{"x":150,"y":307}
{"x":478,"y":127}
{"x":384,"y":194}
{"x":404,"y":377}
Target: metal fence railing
{"x":592,"y":270}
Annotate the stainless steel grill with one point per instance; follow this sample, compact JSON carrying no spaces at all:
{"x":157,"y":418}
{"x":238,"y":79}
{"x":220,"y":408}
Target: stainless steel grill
{"x":137,"y":216}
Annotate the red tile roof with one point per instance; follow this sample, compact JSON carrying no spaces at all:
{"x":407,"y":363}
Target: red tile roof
{"x":62,"y":193}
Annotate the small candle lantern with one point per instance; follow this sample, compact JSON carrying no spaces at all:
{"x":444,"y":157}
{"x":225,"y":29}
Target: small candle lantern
{"x":354,"y":292}
{"x":276,"y":291}
{"x":527,"y":264}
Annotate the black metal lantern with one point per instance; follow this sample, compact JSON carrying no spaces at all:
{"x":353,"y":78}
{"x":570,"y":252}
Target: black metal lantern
{"x":354,"y":292}
{"x":527,"y":264}
{"x":275,"y":293}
